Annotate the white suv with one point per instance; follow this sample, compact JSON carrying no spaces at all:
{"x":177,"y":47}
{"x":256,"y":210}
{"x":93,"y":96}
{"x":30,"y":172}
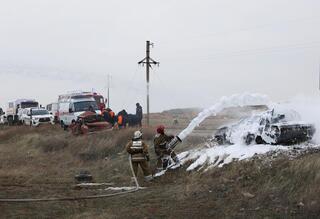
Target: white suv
{"x":36,"y":116}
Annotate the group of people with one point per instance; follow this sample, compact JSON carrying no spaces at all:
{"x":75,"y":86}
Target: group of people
{"x":123,"y":119}
{"x":139,"y":153}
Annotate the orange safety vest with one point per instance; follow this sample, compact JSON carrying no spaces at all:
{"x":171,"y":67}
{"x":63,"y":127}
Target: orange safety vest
{"x":120,"y":120}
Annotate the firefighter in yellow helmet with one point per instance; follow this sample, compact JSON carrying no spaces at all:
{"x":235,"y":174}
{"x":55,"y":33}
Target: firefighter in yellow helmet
{"x":138,"y":150}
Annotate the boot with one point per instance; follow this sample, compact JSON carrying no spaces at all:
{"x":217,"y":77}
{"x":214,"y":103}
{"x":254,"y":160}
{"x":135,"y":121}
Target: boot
{"x":177,"y":163}
{"x":148,"y":178}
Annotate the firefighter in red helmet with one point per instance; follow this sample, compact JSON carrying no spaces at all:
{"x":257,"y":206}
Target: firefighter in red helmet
{"x":163,"y":153}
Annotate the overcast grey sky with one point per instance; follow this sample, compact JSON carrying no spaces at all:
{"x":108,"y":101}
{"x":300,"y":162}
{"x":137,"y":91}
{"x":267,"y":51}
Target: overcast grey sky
{"x":206,"y":49}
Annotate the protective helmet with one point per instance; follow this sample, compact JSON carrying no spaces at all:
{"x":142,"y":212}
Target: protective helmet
{"x":160,"y":129}
{"x":137,"y":134}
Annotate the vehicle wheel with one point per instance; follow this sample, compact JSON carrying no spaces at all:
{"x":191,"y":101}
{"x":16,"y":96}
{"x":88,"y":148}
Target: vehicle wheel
{"x":10,"y":121}
{"x":249,"y":139}
{"x":259,"y":140}
{"x":65,"y":127}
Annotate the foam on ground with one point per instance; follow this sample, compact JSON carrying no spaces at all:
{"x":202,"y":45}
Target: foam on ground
{"x":236,"y":100}
{"x":218,"y":156}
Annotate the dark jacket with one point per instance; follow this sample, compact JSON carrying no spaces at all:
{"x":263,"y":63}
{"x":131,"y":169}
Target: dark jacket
{"x":138,"y":150}
{"x":139,"y":112}
{"x":160,"y":143}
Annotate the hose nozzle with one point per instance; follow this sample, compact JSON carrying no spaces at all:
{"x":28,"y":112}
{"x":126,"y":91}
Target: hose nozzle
{"x":174,"y":142}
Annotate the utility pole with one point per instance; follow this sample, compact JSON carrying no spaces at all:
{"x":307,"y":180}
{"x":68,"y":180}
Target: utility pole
{"x":148,"y":61}
{"x":108,"y":91}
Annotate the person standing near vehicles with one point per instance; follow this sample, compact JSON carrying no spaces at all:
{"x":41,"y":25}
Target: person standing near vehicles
{"x":138,"y":151}
{"x":160,"y":146}
{"x":111,"y":116}
{"x":139,"y":113}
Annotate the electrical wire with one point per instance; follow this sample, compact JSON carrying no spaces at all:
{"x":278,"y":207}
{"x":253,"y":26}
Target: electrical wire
{"x":172,"y":94}
{"x":243,"y":29}
{"x":210,"y":57}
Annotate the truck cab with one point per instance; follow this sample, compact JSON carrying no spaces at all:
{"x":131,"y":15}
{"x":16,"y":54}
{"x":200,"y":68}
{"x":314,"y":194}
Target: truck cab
{"x":71,"y":108}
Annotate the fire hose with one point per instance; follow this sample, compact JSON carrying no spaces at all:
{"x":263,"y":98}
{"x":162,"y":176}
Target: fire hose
{"x":137,"y":188}
{"x":171,"y":145}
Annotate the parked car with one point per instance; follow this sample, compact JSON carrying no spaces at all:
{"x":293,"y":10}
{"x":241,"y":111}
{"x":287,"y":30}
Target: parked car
{"x":36,"y":116}
{"x":3,"y":119}
{"x":269,"y":127}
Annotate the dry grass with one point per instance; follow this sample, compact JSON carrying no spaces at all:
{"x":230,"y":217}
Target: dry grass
{"x":43,"y":162}
{"x":51,"y":144}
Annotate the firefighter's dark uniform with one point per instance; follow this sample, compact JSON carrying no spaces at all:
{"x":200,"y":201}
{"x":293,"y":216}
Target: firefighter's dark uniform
{"x":139,"y":157}
{"x":160,"y":142}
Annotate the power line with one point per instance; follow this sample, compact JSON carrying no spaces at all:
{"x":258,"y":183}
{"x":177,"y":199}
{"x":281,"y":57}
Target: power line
{"x":245,"y":29}
{"x":251,"y":51}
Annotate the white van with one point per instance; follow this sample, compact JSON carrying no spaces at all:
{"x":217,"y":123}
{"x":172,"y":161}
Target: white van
{"x":71,"y":108}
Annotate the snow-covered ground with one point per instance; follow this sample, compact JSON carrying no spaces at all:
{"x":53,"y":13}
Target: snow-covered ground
{"x":219,"y":155}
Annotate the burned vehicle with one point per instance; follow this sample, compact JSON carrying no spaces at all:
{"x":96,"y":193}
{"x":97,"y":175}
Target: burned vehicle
{"x":89,"y":122}
{"x":270,"y":127}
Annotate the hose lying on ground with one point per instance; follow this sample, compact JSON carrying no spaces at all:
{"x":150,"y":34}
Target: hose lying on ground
{"x":137,"y":188}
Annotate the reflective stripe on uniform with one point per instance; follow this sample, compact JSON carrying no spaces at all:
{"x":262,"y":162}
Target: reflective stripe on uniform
{"x":136,"y":145}
{"x":132,"y":147}
{"x":138,"y":157}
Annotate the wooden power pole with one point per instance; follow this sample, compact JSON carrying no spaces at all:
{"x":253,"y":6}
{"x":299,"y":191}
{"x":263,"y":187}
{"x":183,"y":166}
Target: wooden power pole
{"x":148,"y":61}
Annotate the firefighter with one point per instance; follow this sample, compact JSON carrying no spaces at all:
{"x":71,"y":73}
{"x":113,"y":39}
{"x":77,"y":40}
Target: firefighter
{"x":108,"y":116}
{"x":160,"y":146}
{"x":120,"y":121}
{"x":111,"y":116}
{"x":138,"y":151}
{"x":105,"y":115}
